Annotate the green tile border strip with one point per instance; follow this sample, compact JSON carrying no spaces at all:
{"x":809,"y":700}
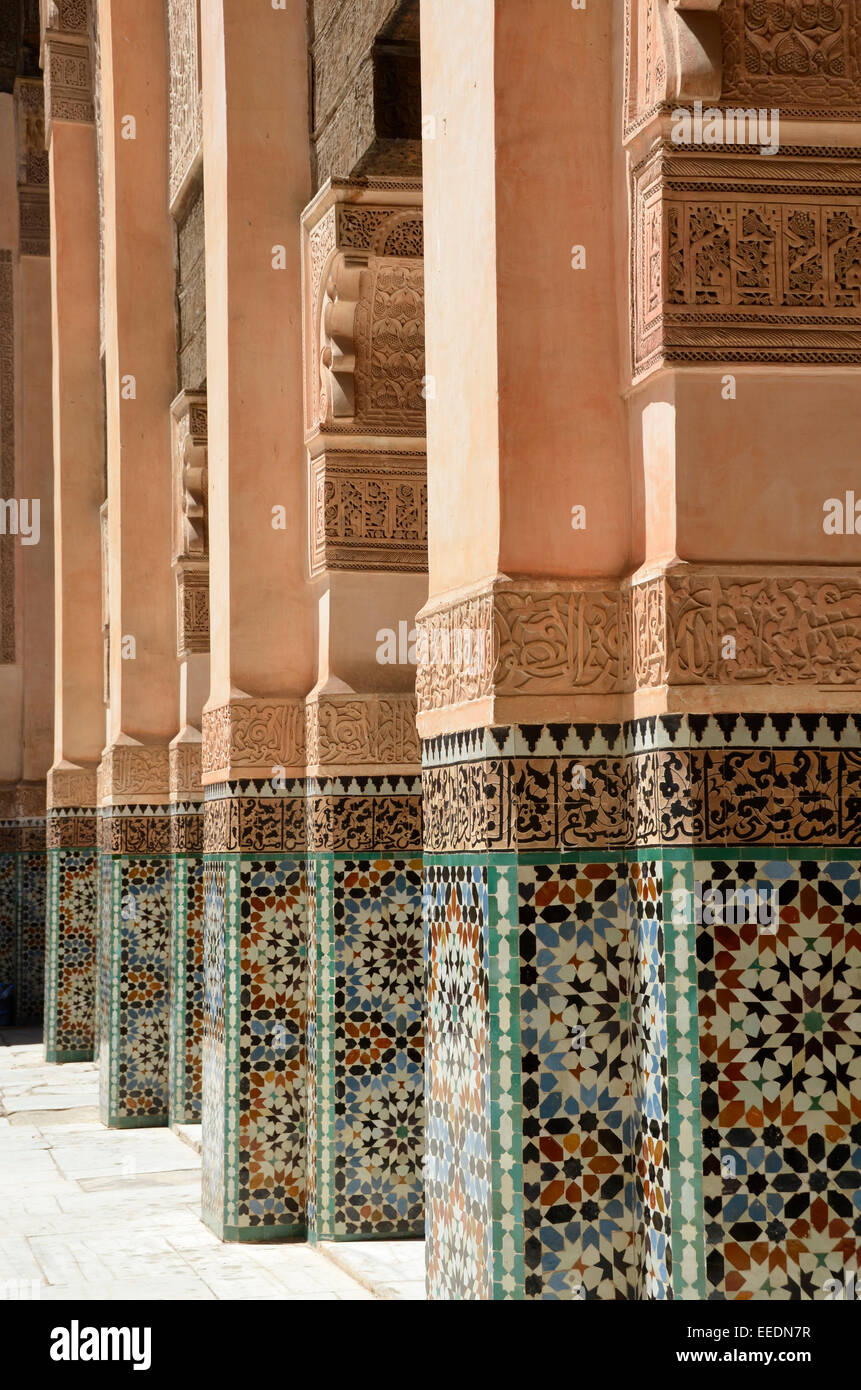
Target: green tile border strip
{"x":176,"y":992}
{"x":687,"y":1214}
{"x":52,"y":943}
{"x":232,"y":927}
{"x":109,"y":939}
{"x":253,"y":1235}
{"x":506,"y":1125}
{"x":324,"y":966}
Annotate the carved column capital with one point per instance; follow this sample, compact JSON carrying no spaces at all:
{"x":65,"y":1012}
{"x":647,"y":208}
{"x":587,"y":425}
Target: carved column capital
{"x":373,"y":733}
{"x":190,"y":521}
{"x":253,"y":738}
{"x":363,"y":304}
{"x":34,"y":225}
{"x":133,"y":773}
{"x":68,"y":79}
{"x":530,"y":650}
{"x":71,"y":784}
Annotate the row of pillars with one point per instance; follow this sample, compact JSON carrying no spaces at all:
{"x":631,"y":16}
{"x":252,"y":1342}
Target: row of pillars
{"x":271,"y":905}
{"x":234,"y":824}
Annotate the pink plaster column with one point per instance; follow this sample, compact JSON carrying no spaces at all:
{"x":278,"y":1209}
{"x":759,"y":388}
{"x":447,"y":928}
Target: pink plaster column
{"x":140,"y":374}
{"x":257,"y":181}
{"x":79,"y":449}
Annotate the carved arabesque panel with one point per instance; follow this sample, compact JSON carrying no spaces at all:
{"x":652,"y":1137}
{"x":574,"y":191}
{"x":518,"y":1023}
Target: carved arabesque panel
{"x":369,"y":511}
{"x":802,"y":58}
{"x":185,"y":91}
{"x":744,"y":259}
{"x":540,"y":639}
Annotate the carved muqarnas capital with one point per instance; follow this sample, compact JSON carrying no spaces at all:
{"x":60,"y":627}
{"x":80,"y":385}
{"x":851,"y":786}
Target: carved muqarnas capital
{"x":190,"y":522}
{"x":363,"y":295}
{"x":190,"y":531}
{"x":673,"y":53}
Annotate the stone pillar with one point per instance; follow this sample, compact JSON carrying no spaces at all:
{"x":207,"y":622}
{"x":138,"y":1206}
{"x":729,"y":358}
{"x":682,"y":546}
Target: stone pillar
{"x":140,"y":372}
{"x":256,"y":180}
{"x":640,"y":757}
{"x":364,"y":416}
{"x":72,"y":900}
{"x":190,"y":559}
{"x":25,"y":541}
{"x":35,"y":552}
{"x":529,"y":1170}
{"x":191,"y":569}
{"x":746,"y":614}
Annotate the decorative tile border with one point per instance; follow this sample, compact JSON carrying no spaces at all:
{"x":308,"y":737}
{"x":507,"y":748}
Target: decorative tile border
{"x":673,"y":779}
{"x":186,"y":988}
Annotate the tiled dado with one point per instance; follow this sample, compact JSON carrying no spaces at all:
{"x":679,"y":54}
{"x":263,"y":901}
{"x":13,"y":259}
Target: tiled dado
{"x":702,"y":1139}
{"x":186,"y":962}
{"x":366,"y":1011}
{"x":71,"y":933}
{"x":254,"y":1017}
{"x":22,"y":913}
{"x":313,"y":1035}
{"x":133,"y":970}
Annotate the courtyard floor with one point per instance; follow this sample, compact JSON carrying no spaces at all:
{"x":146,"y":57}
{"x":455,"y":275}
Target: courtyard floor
{"x":92,"y":1213}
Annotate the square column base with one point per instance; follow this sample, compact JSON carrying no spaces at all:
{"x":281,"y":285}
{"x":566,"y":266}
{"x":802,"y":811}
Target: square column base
{"x":254,"y":1025}
{"x":72,"y":911}
{"x":134,"y":955}
{"x":366,"y":1022}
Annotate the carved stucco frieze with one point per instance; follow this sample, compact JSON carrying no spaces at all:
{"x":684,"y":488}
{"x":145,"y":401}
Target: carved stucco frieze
{"x":192,"y":611}
{"x":185,"y":770}
{"x":66,"y":16}
{"x":670,"y":630}
{"x":249,"y":737}
{"x":802,"y":58}
{"x":363,"y":295}
{"x":186,"y":102}
{"x":68,"y":79}
{"x":361,"y":731}
{"x":743,"y":259}
{"x":787,"y":629}
{"x":190,"y":522}
{"x":132,"y":773}
{"x":369,"y":511}
{"x":72,"y":786}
